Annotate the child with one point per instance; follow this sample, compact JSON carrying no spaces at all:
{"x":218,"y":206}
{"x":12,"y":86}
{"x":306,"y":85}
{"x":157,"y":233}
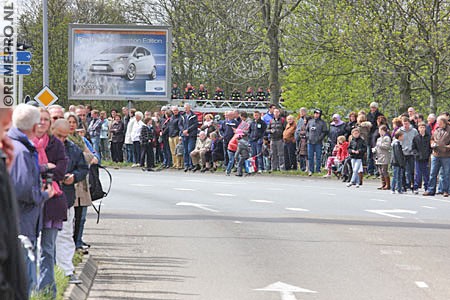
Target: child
{"x":340,"y":152}
{"x":397,"y":162}
{"x":356,"y":150}
{"x":303,"y":146}
{"x":146,"y":140}
{"x":232,"y":149}
{"x":266,"y":153}
{"x":422,"y":150}
{"x":382,"y":152}
{"x":179,"y":152}
{"x":242,"y":152}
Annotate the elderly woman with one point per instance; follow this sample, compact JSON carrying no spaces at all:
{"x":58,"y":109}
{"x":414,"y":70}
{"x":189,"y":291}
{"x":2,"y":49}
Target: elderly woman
{"x":382,"y":152}
{"x":337,"y":128}
{"x":53,"y":164}
{"x":290,"y":144}
{"x":83,"y":196}
{"x":208,"y":125}
{"x":117,"y":138}
{"x":440,"y":158}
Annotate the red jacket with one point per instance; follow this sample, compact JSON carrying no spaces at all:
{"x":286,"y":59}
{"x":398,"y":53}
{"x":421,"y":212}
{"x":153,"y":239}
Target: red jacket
{"x":233,"y":144}
{"x":343,"y":151}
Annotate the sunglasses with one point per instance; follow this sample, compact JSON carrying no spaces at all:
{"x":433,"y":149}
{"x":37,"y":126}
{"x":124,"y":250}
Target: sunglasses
{"x":56,"y":118}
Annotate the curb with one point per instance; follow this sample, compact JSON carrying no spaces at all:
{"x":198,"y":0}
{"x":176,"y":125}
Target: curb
{"x":87,"y":271}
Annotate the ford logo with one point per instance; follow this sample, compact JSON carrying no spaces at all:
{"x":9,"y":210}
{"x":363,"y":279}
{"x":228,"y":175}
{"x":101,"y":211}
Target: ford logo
{"x":159,"y":88}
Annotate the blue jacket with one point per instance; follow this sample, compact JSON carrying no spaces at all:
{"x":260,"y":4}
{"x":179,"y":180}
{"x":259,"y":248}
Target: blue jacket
{"x":190,"y":123}
{"x":26,"y":180}
{"x":77,"y":166}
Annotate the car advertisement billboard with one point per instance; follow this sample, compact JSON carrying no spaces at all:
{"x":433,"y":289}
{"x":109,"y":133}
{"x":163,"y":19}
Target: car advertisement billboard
{"x":119,"y":62}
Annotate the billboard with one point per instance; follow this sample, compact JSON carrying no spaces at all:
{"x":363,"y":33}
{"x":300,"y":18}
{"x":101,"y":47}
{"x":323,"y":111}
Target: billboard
{"x":119,"y":62}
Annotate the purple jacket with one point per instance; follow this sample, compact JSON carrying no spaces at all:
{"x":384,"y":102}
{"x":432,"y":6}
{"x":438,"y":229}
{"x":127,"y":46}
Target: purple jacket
{"x":55,"y":209}
{"x":25,"y":178}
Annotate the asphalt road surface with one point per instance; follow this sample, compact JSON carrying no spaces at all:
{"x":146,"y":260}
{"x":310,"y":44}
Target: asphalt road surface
{"x":171,"y":235}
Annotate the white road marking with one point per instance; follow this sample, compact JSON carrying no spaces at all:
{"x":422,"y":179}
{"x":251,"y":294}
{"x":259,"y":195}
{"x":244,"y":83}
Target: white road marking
{"x":409,"y":267}
{"x":390,"y":212}
{"x":261,"y":201}
{"x":141,"y":185}
{"x":224,"y":195}
{"x":378,"y":200}
{"x":237,"y":222}
{"x":286,"y":290}
{"x":296,"y":209}
{"x":421,"y":284}
{"x":391,"y":252}
{"x":429,"y":207}
{"x":183,"y":189}
{"x":197,"y":205}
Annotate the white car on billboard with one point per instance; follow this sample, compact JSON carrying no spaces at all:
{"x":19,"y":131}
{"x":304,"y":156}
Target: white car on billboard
{"x":124,"y":61}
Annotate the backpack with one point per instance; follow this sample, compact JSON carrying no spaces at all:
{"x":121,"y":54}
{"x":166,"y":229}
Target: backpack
{"x":95,"y":186}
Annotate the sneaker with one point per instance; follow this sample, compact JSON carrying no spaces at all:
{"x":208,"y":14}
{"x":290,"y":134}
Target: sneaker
{"x":82,"y":251}
{"x":326,"y":175}
{"x":416,"y":192}
{"x":428,"y":194}
{"x":445,"y":194}
{"x":349,"y":184}
{"x":357,"y":186}
{"x":392,"y":192}
{"x":73,"y":279}
{"x":309,"y":174}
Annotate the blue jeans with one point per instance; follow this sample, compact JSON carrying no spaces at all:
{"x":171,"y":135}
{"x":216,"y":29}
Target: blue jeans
{"x":397,"y":179}
{"x":130,"y":153}
{"x":48,"y":260}
{"x":167,"y":154}
{"x":421,"y":174}
{"x":356,"y":166}
{"x":81,"y":212}
{"x":31,"y":270}
{"x":317,"y":150}
{"x":436,"y":164}
{"x":189,"y":146}
{"x":256,"y":149}
{"x":370,"y":162}
{"x":96,"y":144}
{"x":230,"y":165}
{"x":409,"y":171}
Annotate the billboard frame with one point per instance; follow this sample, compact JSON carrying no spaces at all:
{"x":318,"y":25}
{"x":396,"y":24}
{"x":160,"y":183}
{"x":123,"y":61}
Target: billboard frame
{"x":120,"y":27}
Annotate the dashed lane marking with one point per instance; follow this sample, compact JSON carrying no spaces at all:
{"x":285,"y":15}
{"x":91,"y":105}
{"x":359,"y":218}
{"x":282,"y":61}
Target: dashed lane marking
{"x":378,"y":200}
{"x":422,"y":284}
{"x":224,"y":195}
{"x":261,"y":201}
{"x":183,"y":189}
{"x":429,"y":207}
{"x":296,"y":209}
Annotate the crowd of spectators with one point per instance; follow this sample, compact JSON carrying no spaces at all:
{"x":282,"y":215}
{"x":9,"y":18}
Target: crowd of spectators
{"x":46,"y":155}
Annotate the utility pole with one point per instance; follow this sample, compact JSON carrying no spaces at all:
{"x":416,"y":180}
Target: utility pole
{"x":45,"y":76}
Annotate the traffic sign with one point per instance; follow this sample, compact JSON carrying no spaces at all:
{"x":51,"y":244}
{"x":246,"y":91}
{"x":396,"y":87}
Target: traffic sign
{"x":46,"y":97}
{"x":20,"y":69}
{"x":24,"y":69}
{"x":21,"y":56}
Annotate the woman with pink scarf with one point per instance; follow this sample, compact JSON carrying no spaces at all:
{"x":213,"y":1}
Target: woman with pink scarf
{"x":53,"y":163}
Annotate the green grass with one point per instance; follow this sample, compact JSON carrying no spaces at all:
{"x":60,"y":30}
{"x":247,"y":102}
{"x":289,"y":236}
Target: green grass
{"x":108,"y":163}
{"x":62,"y":282}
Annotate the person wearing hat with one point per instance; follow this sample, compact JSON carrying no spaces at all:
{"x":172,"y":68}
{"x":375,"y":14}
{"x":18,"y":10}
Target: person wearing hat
{"x":372,"y":117}
{"x":316,"y":130}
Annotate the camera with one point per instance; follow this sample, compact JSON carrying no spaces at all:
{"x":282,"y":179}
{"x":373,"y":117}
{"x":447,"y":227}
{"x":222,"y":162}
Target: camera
{"x":48,"y":178}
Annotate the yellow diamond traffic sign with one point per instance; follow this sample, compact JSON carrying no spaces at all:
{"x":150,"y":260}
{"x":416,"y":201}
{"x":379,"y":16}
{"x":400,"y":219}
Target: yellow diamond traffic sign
{"x":46,"y":97}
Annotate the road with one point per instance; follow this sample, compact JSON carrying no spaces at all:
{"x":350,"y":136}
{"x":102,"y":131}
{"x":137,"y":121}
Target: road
{"x":171,"y":235}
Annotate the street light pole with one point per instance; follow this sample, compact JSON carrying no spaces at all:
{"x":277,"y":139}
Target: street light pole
{"x":45,"y":76}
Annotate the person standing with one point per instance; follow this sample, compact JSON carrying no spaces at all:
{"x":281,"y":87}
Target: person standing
{"x":53,"y":164}
{"x":275,"y":130}
{"x":26,"y":180}
{"x":409,"y":133}
{"x":77,"y":170}
{"x":13,"y":285}
{"x":422,"y":152}
{"x":440,"y":158}
{"x":256,"y":133}
{"x":190,"y":128}
{"x":175,"y":127}
{"x":129,"y":146}
{"x":164,"y":135}
{"x":289,"y":144}
{"x":117,"y":138}
{"x":105,"y":152}
{"x":356,"y":150}
{"x":316,"y":130}
{"x":94,"y":130}
{"x":397,"y":162}
{"x":135,"y":136}
{"x":382,"y":156}
{"x":372,"y":117}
